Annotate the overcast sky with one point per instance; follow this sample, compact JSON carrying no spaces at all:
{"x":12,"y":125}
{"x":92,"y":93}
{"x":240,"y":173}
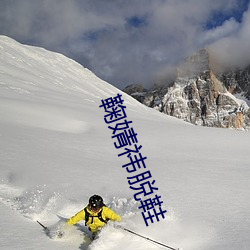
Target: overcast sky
{"x":131,"y":41}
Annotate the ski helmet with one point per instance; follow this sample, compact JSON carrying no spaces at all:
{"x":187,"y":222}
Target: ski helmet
{"x":95,"y":202}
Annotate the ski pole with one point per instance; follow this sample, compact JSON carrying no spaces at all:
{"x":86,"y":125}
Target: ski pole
{"x":150,"y":239}
{"x":45,"y":228}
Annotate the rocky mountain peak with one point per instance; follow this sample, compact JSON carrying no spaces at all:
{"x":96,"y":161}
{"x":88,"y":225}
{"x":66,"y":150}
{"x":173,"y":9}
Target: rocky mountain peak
{"x":202,"y":97}
{"x":196,"y":64}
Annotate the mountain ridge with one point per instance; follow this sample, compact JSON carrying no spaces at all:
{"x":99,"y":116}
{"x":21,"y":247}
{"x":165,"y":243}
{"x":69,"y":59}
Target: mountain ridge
{"x":201,"y":95}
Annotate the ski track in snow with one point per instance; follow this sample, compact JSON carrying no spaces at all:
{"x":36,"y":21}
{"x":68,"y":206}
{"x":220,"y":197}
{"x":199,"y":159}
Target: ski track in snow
{"x":43,"y":117}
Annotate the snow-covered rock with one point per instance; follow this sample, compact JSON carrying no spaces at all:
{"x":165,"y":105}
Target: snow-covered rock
{"x":199,"y":97}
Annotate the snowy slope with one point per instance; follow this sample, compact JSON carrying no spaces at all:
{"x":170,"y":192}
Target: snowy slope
{"x":56,"y":151}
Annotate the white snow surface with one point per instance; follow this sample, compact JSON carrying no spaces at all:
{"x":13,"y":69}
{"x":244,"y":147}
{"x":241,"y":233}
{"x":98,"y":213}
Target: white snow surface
{"x":56,"y":151}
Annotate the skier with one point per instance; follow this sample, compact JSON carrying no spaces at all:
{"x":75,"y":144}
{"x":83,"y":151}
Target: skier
{"x":95,"y":214}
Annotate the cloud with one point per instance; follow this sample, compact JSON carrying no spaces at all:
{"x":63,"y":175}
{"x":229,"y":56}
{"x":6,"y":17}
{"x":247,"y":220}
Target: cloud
{"x":228,"y":28}
{"x":126,"y":42}
{"x":233,"y":49}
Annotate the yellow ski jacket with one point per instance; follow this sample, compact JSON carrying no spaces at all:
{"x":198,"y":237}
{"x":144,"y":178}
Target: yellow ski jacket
{"x":94,"y":223}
